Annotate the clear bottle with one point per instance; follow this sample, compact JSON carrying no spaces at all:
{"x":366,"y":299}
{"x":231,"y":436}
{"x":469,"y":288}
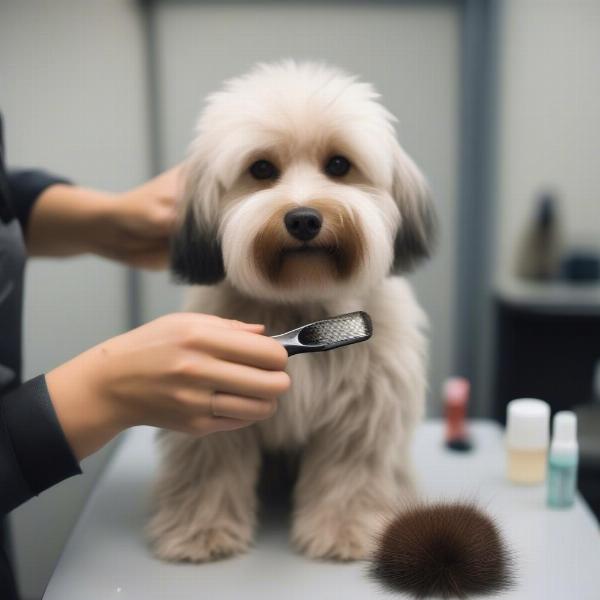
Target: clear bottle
{"x":527,"y":437}
{"x":563,"y":461}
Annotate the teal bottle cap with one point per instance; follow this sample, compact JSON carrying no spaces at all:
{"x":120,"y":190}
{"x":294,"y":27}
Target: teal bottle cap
{"x":564,"y":433}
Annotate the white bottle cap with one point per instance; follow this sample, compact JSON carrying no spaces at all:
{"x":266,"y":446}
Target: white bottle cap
{"x":528,"y":424}
{"x":564,"y":433}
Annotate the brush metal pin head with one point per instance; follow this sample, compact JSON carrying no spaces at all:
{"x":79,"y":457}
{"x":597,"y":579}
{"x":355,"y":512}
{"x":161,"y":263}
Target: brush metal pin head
{"x":328,"y":334}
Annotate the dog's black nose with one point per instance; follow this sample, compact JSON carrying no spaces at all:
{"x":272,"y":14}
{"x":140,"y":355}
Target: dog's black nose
{"x":303,"y":223}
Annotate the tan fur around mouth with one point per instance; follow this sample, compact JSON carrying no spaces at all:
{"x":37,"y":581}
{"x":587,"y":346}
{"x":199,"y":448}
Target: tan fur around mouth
{"x":335,"y":254}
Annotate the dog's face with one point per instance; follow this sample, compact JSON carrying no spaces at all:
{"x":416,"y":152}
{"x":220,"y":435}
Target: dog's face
{"x":297,"y":189}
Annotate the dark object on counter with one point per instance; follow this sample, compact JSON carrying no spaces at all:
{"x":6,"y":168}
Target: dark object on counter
{"x":441,"y":550}
{"x":460,"y":445}
{"x":539,"y":253}
{"x":581,"y":267}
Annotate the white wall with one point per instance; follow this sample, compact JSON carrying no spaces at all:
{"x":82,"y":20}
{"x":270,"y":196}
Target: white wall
{"x":549,"y":124}
{"x":72,"y":95}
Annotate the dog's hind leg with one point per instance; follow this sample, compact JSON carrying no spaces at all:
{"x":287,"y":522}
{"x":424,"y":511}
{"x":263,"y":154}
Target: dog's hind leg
{"x":205,"y":497}
{"x":354,"y":474}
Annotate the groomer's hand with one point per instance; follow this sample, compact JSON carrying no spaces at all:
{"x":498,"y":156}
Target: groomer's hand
{"x":140,"y":222}
{"x":131,"y":227}
{"x":187,"y":372}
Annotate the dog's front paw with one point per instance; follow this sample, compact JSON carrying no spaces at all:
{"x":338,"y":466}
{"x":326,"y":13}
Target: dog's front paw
{"x":335,"y":537}
{"x":201,"y":545}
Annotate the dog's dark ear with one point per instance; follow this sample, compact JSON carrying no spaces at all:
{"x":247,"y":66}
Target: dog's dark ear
{"x":416,"y":234}
{"x":196,"y":255}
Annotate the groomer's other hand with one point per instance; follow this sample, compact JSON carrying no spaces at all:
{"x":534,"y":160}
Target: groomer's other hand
{"x":131,"y":227}
{"x":193,"y":373}
{"x":140,"y":222}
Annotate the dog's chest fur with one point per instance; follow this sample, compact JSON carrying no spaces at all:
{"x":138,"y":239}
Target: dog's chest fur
{"x":324,"y":384}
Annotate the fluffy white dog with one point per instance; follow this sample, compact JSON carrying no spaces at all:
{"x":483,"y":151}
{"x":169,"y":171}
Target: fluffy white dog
{"x":299,"y":203}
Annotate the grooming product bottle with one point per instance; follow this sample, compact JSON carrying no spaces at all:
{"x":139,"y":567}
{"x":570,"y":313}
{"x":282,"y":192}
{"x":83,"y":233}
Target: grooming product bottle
{"x":527,"y":436}
{"x":456,"y":398}
{"x":562,"y":462}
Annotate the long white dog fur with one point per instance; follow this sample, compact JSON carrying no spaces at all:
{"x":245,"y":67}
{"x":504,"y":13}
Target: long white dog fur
{"x":351,"y":412}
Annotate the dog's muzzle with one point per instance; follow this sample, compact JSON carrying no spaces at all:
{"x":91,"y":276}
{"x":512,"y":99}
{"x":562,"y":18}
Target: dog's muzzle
{"x":316,"y":243}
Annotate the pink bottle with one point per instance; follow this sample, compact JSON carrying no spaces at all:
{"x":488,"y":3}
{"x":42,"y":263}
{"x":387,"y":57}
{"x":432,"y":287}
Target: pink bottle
{"x":456,"y":398}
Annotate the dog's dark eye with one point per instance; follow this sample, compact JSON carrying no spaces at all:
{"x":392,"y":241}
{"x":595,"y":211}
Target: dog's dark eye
{"x":263,"y":169}
{"x":337,"y":166}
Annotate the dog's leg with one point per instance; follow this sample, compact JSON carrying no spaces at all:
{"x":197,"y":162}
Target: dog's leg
{"x":205,"y":496}
{"x":355,"y":473}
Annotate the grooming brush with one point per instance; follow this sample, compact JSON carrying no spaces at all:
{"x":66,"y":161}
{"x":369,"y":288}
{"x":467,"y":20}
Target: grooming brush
{"x":327,"y":334}
{"x":443,"y":550}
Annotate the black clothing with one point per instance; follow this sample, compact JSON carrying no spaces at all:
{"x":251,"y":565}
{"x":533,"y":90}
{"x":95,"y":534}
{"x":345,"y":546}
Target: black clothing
{"x":34,"y":453}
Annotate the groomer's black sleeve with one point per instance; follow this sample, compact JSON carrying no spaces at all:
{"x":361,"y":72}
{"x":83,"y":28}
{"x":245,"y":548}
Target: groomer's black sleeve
{"x":34,"y":453}
{"x":25,"y":187}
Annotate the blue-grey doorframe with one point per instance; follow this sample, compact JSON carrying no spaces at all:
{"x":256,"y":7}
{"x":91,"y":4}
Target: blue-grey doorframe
{"x":476,"y":200}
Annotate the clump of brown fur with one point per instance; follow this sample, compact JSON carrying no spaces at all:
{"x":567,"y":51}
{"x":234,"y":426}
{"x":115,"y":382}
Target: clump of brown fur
{"x":443,"y":550}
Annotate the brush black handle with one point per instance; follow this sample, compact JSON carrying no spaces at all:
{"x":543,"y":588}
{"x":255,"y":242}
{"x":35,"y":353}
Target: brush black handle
{"x":327,"y":334}
{"x":293,"y":346}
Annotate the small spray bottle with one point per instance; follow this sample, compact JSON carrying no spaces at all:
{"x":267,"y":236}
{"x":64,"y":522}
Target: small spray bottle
{"x":563,"y":460}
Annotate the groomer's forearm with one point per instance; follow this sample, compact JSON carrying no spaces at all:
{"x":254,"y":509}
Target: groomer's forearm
{"x":64,"y":219}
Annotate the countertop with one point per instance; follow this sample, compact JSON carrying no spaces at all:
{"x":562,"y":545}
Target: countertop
{"x":106,"y":557}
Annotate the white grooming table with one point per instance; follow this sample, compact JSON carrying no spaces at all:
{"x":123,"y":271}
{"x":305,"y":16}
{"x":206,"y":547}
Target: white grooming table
{"x":106,"y":558}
